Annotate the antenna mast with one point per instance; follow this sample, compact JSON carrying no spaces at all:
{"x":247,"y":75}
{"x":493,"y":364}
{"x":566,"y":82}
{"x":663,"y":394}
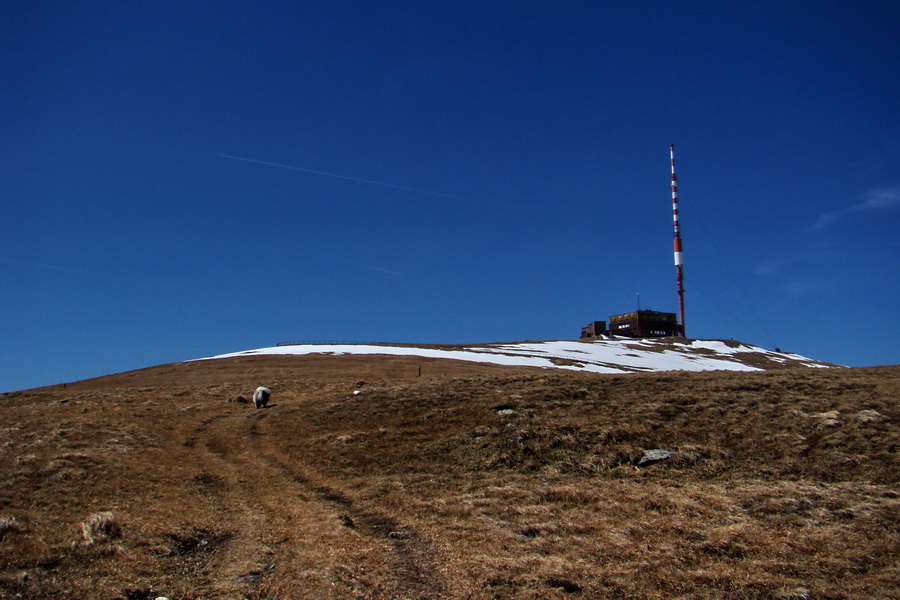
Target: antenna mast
{"x":678,"y":252}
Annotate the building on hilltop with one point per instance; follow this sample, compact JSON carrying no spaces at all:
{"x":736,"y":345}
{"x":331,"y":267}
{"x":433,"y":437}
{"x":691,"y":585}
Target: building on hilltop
{"x":640,"y":323}
{"x":594,"y":330}
{"x":644,"y":323}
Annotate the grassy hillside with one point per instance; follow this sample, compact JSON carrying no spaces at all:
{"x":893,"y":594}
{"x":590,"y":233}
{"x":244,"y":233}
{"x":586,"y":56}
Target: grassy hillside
{"x":365,"y":480}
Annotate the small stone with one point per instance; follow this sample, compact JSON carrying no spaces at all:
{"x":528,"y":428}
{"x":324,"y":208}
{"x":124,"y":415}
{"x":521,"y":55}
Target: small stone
{"x":869,"y":416}
{"x":654,"y":456}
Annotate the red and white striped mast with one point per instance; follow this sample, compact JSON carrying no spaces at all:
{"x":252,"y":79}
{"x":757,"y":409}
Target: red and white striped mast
{"x":678,"y":252}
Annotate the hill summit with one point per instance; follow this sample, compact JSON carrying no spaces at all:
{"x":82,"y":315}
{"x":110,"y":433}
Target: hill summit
{"x":606,"y":355}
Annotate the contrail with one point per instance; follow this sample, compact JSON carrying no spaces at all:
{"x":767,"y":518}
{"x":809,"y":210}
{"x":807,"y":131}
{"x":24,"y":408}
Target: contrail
{"x":373,"y":182}
{"x":359,"y":264}
{"x":45,"y":266}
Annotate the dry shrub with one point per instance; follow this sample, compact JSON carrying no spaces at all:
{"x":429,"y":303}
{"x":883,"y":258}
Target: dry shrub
{"x":101,"y":527}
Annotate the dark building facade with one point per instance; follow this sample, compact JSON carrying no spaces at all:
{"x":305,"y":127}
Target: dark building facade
{"x":644,"y":323}
{"x":594,"y":330}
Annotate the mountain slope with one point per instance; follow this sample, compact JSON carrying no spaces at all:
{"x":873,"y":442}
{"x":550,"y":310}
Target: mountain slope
{"x":365,"y":479}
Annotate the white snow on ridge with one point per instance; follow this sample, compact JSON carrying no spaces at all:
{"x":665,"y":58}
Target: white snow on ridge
{"x":601,"y":356}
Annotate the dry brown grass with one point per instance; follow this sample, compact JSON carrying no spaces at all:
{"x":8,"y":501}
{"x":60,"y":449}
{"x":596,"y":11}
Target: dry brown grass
{"x":473,"y":481}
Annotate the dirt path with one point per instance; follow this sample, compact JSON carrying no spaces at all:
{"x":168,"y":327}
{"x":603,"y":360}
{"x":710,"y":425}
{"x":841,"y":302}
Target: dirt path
{"x":290,"y":528}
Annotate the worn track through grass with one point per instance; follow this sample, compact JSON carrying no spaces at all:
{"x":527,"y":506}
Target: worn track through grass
{"x":262,"y":489}
{"x":416,"y":570}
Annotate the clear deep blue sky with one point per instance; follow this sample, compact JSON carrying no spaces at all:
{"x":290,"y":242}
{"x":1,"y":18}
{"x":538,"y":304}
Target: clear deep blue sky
{"x":496,"y":171}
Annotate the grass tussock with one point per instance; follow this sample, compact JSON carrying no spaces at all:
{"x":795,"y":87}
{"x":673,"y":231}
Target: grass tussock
{"x":9,"y":525}
{"x":101,"y":528}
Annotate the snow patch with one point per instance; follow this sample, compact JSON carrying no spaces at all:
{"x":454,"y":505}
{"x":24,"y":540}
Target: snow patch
{"x":600,"y":356}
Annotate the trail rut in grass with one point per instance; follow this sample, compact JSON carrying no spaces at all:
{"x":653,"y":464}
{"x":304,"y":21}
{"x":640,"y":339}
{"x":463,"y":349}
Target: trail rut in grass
{"x":266,"y":493}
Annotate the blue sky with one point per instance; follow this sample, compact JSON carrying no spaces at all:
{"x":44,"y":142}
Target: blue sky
{"x":183,"y":179}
